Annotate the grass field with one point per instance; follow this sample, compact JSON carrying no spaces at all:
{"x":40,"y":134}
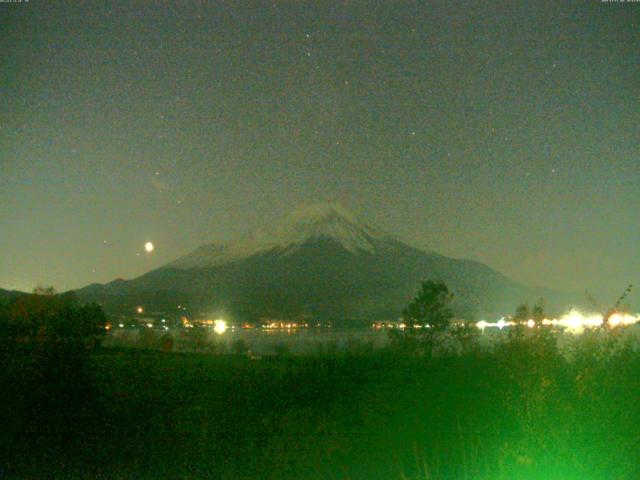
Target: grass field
{"x":520,"y":411}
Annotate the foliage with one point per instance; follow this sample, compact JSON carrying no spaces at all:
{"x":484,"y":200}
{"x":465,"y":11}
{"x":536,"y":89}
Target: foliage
{"x":428,"y":316}
{"x":466,"y":338}
{"x":537,"y":312}
{"x":46,"y":341}
{"x":522,"y":316}
{"x":522,"y":313}
{"x":430,"y":308}
{"x":521,"y":410}
{"x":44,"y":291}
{"x":45,"y":319}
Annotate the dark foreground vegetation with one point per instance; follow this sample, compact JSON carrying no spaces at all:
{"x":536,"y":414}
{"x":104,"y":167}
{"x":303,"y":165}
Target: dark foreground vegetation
{"x":521,"y":410}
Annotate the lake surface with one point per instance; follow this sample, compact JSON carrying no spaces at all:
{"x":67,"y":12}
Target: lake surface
{"x":262,"y":342}
{"x":258,"y":341}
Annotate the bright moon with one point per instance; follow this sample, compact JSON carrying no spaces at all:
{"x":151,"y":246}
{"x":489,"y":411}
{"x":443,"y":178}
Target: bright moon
{"x":148,"y":247}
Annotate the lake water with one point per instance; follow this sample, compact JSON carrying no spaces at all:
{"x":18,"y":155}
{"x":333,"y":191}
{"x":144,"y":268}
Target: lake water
{"x":258,"y":341}
{"x":262,"y":342}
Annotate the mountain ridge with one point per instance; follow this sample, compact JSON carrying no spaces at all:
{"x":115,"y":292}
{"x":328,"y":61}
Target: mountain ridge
{"x":319,"y":261}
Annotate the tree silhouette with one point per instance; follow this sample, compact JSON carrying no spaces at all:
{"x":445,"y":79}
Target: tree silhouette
{"x":429,"y":309}
{"x":46,"y":340}
{"x":426,"y":317}
{"x":42,"y":290}
{"x":46,"y":318}
{"x":537,"y":312}
{"x":522,"y":313}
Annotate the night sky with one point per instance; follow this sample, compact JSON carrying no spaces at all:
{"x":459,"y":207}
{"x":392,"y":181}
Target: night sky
{"x":504,"y":132}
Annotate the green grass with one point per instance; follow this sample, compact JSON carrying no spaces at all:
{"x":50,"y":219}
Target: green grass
{"x":521,"y":412}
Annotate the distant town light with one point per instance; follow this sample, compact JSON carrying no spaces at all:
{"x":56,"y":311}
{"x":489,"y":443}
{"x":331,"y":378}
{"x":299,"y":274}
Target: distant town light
{"x":149,"y":247}
{"x":220,"y":326}
{"x":573,"y":321}
{"x":501,"y":323}
{"x":139,"y":309}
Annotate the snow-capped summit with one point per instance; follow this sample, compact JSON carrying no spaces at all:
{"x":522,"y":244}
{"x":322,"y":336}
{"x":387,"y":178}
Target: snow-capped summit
{"x":324,"y":220}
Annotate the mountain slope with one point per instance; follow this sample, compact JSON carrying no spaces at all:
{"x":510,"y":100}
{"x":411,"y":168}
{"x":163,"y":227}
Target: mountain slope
{"x":320,"y":261}
{"x":303,"y":224}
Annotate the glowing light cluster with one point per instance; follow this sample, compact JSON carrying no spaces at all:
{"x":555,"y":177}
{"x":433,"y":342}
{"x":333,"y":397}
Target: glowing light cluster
{"x":573,"y":321}
{"x":618,"y":319}
{"x":278,"y":325}
{"x":220,"y":326}
{"x":499,"y":324}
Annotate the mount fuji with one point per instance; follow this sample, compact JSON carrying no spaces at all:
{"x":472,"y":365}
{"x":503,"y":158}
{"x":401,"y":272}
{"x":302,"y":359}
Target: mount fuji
{"x":318,"y":262}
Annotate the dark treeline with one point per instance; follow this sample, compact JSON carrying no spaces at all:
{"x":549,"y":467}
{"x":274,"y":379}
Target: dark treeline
{"x":46,"y":346}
